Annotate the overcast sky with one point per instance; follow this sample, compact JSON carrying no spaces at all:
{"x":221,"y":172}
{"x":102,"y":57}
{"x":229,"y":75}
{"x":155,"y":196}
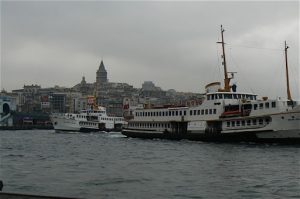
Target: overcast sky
{"x":172,"y":44}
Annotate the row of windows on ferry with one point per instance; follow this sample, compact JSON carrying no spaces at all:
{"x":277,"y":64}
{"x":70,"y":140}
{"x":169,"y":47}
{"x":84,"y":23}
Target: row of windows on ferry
{"x":88,"y":123}
{"x":249,"y":122}
{"x":177,"y":113}
{"x":263,"y":105}
{"x":150,"y":125}
{"x":111,"y":119}
{"x":102,"y":118}
{"x":231,"y":96}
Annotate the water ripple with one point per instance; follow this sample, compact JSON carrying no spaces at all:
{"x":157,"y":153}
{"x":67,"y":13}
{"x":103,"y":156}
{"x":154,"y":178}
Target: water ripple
{"x":107,"y":165}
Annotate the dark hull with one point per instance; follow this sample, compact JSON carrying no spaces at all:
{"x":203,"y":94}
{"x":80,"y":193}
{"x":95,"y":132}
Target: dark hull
{"x":209,"y":137}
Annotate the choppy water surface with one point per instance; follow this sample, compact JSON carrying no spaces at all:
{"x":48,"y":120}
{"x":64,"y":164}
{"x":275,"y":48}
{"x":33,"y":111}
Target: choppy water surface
{"x":111,"y":166}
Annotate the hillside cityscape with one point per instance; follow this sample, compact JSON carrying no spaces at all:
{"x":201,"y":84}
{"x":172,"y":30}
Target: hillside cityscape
{"x":33,"y":104}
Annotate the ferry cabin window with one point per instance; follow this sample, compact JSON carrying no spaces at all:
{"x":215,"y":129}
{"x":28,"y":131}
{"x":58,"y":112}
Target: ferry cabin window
{"x":254,"y":121}
{"x":198,"y":112}
{"x":184,"y":112}
{"x":243,"y":122}
{"x":273,"y":104}
{"x":212,"y":97}
{"x":206,"y":111}
{"x":267,"y":105}
{"x":260,"y":121}
{"x":227,"y":96}
{"x":228,"y":124}
{"x":208,"y":97}
{"x":210,"y":111}
{"x":248,"y":122}
{"x":261,"y":106}
{"x":195,"y":112}
{"x":202,"y":112}
{"x":255,"y":106}
{"x":215,"y":111}
{"x":235,"y":96}
{"x":233,"y":123}
{"x":220,"y":96}
{"x":191,"y":112}
{"x":176,"y":113}
{"x":238,"y":123}
{"x":180,"y":113}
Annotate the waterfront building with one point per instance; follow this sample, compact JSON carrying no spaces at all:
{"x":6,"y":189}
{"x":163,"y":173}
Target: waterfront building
{"x":6,"y":107}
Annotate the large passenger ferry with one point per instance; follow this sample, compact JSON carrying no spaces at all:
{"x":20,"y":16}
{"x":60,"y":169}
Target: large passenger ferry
{"x":223,"y":115}
{"x":93,"y":119}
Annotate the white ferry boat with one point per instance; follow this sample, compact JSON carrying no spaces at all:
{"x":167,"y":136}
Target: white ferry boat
{"x":224,"y":115}
{"x":87,"y":121}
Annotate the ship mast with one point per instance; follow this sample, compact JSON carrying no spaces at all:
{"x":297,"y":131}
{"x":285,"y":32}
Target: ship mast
{"x":227,"y":79}
{"x":287,"y":73}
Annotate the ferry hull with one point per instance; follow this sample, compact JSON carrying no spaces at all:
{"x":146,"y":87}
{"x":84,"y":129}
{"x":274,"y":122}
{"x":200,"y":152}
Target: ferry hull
{"x":214,"y":137}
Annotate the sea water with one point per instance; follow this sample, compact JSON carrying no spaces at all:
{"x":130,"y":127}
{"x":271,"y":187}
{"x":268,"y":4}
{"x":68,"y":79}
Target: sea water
{"x":108,"y":165}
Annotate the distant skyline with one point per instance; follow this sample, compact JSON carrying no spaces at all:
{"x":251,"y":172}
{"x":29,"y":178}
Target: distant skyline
{"x":172,"y":44}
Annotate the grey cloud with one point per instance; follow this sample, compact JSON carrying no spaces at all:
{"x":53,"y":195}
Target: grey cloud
{"x":171,"y":43}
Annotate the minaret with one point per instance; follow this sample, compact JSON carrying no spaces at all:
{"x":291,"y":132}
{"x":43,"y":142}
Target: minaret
{"x":101,"y":75}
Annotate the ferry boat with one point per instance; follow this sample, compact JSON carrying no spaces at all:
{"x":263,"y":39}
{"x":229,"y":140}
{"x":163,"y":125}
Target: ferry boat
{"x":223,"y":115}
{"x":87,"y":121}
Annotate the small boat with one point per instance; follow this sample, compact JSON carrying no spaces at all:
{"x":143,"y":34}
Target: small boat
{"x":224,"y":115}
{"x":91,"y":120}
